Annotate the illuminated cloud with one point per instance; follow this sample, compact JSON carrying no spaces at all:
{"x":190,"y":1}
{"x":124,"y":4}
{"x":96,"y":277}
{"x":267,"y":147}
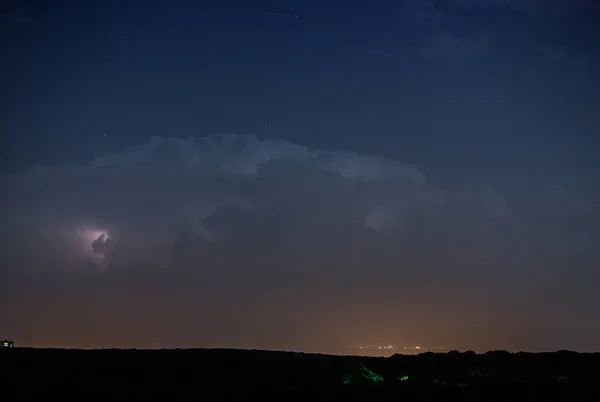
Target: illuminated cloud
{"x":230,"y":221}
{"x":147,"y":195}
{"x":132,"y":207}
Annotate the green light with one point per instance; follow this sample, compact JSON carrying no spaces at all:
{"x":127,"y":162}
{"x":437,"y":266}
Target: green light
{"x":362,"y":372}
{"x":370,"y":375}
{"x":403,"y":378}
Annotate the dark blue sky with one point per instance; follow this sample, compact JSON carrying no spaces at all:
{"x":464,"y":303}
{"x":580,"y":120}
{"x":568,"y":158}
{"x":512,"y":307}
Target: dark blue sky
{"x":485,"y":91}
{"x":469,"y":193}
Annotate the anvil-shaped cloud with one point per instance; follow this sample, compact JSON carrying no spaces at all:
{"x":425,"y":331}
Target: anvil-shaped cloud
{"x":231,"y":221}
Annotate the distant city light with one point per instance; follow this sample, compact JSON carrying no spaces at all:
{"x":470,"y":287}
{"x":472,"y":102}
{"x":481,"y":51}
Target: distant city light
{"x":377,"y":349}
{"x":423,"y":348}
{"x":382,"y":349}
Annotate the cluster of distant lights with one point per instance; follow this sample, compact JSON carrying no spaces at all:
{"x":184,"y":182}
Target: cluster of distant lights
{"x":380,"y":347}
{"x":424,"y":348}
{"x":388,"y":348}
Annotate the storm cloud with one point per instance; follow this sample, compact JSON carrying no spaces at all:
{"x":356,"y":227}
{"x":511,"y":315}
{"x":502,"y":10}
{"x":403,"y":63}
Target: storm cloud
{"x":336,"y":235}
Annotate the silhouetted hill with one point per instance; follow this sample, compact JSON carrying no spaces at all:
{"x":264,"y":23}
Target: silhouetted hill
{"x":114,"y":374}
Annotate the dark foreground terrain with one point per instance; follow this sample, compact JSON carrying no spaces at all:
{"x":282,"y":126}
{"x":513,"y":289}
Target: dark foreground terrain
{"x":43,"y":374}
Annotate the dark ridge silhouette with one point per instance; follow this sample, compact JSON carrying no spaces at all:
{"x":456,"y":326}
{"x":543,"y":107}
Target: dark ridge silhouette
{"x":197,"y":373}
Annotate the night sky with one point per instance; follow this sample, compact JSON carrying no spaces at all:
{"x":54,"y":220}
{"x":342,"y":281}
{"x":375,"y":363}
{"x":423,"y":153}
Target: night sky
{"x":300,"y":175}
